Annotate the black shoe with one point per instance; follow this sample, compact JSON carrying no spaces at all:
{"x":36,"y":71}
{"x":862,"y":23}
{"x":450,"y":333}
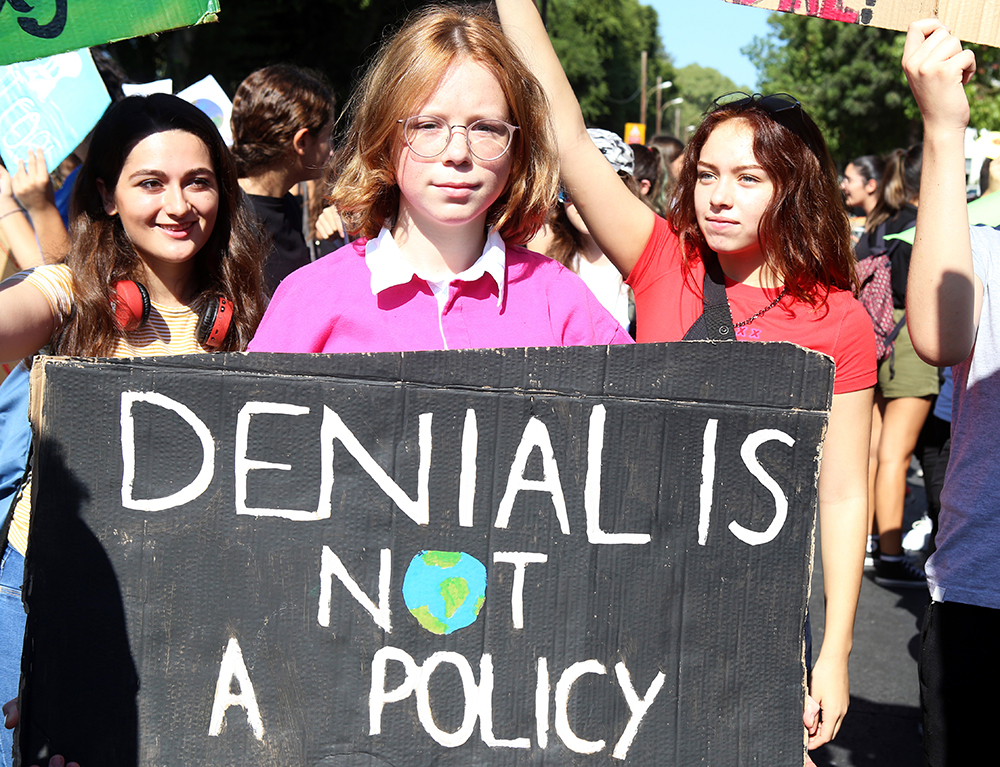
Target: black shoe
{"x":872,"y":555}
{"x":901,"y":573}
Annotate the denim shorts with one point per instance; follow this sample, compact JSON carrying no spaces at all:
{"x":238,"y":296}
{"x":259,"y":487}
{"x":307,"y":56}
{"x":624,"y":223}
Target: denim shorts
{"x":12,"y":618}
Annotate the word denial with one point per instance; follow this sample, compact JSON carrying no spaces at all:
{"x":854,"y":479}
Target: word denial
{"x":535,"y":436}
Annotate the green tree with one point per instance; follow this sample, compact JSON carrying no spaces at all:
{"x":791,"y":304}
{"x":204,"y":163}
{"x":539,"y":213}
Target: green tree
{"x":699,"y":86}
{"x":600,"y":44}
{"x":984,"y":90}
{"x":848,"y":78}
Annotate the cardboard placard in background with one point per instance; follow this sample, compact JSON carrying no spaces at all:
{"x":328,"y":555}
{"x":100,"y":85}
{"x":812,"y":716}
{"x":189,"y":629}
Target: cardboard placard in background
{"x":581,"y":556}
{"x":49,"y":104}
{"x":208,"y":96}
{"x":975,"y":21}
{"x":46,"y":27}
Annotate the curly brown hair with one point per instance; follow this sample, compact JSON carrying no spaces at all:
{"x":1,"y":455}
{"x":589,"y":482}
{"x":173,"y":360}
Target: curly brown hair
{"x":270,"y":107}
{"x":229,"y":264}
{"x":804,"y":233}
{"x":402,"y":77}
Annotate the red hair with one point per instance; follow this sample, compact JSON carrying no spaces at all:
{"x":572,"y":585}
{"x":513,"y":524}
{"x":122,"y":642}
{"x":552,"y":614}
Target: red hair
{"x":804,"y":233}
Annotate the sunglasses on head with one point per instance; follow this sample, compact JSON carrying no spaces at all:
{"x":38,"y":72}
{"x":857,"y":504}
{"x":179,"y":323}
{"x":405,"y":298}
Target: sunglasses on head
{"x":773,"y":103}
{"x":783,"y":108}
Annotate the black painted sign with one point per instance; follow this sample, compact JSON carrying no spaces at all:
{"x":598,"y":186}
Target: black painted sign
{"x":497,"y":557}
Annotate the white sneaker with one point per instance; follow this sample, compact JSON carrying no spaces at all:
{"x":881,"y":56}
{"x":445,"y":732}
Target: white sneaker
{"x":919,"y":535}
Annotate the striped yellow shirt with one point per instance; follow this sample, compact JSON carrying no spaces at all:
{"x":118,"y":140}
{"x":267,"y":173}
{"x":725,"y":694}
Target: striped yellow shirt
{"x":169,"y":330}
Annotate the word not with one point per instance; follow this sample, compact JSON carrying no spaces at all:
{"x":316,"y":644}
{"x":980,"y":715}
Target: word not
{"x":535,"y":436}
{"x":47,"y":31}
{"x":479,"y":700}
{"x":331,"y":565}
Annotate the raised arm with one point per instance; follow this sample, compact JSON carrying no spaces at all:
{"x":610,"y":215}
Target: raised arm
{"x":16,"y":226}
{"x":943,"y":295}
{"x":33,"y":188}
{"x":619,"y":222}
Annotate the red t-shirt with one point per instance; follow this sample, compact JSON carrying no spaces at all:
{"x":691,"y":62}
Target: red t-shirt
{"x":667,"y":305}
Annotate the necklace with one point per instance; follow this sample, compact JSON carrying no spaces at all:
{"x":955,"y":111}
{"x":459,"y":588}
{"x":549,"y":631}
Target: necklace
{"x":763,"y":311}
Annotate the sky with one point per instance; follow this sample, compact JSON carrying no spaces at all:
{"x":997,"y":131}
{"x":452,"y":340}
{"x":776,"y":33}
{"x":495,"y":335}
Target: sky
{"x":711,"y":33}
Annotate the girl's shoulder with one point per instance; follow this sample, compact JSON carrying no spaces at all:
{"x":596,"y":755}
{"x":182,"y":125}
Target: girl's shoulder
{"x":55,"y":282}
{"x":326,"y":272}
{"x":518,"y":253}
{"x":60,"y":274}
{"x":523,"y":263}
{"x":661,"y":257}
{"x":838,"y":305}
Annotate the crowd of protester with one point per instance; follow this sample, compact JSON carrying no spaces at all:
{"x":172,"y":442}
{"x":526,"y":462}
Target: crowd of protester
{"x":475,"y":209}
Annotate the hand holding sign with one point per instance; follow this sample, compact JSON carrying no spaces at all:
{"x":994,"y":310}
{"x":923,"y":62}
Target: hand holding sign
{"x":12,"y":716}
{"x":826,"y":703}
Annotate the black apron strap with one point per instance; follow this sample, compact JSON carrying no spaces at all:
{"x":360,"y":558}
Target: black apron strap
{"x":715,"y":322}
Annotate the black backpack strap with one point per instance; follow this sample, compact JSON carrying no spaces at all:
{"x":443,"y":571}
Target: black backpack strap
{"x":895,"y":331}
{"x":715,"y":323}
{"x":880,"y":246}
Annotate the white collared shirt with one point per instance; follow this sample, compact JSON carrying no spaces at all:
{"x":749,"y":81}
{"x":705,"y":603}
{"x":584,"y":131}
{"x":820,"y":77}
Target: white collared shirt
{"x":389,"y":267}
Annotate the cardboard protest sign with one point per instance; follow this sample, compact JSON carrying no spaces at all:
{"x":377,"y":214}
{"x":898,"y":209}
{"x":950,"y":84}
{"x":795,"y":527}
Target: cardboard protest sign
{"x":46,"y":27}
{"x":49,"y":104}
{"x":975,"y":21}
{"x":496,"y":557}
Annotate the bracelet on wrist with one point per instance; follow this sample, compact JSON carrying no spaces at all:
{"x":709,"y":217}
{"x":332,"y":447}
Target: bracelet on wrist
{"x":12,"y":212}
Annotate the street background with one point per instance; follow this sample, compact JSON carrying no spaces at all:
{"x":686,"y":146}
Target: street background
{"x":882,"y":727}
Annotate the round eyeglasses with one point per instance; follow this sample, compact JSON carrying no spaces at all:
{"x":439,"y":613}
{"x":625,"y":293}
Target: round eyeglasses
{"x":430,"y":136}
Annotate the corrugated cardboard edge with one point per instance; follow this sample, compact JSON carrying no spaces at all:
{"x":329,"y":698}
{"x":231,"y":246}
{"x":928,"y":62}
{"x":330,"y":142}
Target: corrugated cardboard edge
{"x":975,"y":21}
{"x":211,"y":15}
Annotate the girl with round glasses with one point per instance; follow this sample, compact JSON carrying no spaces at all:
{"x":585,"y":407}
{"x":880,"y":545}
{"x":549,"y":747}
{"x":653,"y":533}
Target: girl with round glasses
{"x":448,"y":167}
{"x":757,"y":205}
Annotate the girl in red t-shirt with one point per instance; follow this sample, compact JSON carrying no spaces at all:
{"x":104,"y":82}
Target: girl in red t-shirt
{"x":758,"y":196}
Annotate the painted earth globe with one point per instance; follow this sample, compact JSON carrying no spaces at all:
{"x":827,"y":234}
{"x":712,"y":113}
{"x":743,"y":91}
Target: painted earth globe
{"x":444,"y":590}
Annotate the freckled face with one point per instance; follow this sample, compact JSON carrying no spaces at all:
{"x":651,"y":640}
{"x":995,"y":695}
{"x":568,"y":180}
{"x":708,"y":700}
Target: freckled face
{"x":733,"y":191}
{"x":167,"y":197}
{"x":455,"y":188}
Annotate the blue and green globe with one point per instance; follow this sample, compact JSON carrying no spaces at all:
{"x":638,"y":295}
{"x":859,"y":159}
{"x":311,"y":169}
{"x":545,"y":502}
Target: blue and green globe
{"x":444,"y":590}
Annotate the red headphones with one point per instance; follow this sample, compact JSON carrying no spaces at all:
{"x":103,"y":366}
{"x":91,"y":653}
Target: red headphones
{"x":130,"y":304}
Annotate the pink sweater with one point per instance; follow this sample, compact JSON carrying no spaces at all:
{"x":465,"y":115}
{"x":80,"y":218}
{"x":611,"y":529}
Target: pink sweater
{"x":328,"y":306}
